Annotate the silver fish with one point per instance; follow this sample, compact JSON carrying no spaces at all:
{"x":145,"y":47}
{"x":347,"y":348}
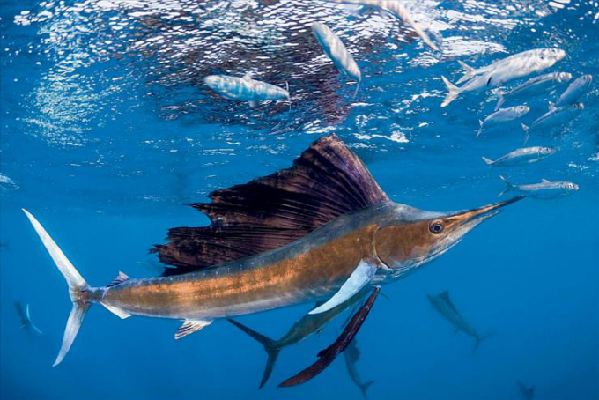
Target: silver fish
{"x":512,"y":67}
{"x":503,"y":115}
{"x":336,"y":51}
{"x":245,"y":89}
{"x":395,"y":7}
{"x":538,"y":82}
{"x":557,"y":115}
{"x":443,"y":304}
{"x":575,"y":90}
{"x":526,"y":155}
{"x":542,"y":190}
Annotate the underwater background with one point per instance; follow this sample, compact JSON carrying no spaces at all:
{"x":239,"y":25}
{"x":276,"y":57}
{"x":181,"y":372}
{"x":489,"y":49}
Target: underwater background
{"x":107,"y":132}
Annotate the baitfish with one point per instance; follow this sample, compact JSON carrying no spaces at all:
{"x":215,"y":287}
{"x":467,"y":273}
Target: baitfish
{"x":526,"y":155}
{"x":542,"y":190}
{"x":528,"y":393}
{"x":557,"y":115}
{"x":512,"y":67}
{"x":328,"y":355}
{"x":574,"y":91}
{"x":503,"y":115}
{"x":245,"y":89}
{"x":538,"y":82}
{"x":25,"y":315}
{"x":322,"y":229}
{"x":445,"y":307}
{"x":351,"y":355}
{"x":305,"y":327}
{"x":395,"y":7}
{"x":336,"y":51}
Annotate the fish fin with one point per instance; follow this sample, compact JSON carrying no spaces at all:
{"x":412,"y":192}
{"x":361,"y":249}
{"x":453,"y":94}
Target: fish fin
{"x":445,"y":297}
{"x":480,"y":129}
{"x":465,"y":66}
{"x":551,"y":106}
{"x":356,"y":92}
{"x":500,"y":100}
{"x":328,"y":355}
{"x":27,"y":314}
{"x":526,"y":132}
{"x":489,"y":81}
{"x":120,"y":278}
{"x":36,"y":329}
{"x":509,"y":186}
{"x":487,"y":161}
{"x":544,"y":180}
{"x":119,"y":312}
{"x":479,"y":339}
{"x":269,"y":346}
{"x":75,"y":281}
{"x":325,"y":182}
{"x":190,"y":326}
{"x":361,"y":276}
{"x":247,"y":75}
{"x":452,"y":92}
{"x":364,"y":387}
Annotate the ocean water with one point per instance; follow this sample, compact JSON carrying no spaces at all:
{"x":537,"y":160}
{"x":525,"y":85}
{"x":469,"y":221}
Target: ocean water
{"x":107,"y":132}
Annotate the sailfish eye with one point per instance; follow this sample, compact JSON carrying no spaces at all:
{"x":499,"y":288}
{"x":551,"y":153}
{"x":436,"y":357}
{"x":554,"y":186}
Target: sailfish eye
{"x":436,"y":227}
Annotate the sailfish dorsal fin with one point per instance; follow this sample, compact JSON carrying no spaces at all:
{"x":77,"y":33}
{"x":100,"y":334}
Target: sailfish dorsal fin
{"x":325,"y":182}
{"x":445,"y":297}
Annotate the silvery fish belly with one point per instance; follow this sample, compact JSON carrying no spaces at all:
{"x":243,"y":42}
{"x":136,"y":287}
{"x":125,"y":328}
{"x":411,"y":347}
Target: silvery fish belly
{"x":245,"y":89}
{"x":524,"y":64}
{"x":575,"y":90}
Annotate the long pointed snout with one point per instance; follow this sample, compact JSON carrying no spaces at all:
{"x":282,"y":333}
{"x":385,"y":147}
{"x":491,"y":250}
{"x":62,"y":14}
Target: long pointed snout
{"x":480,"y":214}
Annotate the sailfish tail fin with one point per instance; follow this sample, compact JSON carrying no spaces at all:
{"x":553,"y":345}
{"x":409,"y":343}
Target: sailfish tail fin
{"x":269,"y":346}
{"x":364,"y":387}
{"x":77,"y":286}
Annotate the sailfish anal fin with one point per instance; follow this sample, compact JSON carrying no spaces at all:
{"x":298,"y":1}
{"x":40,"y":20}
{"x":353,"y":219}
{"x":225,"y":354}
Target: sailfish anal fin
{"x":358,"y":279}
{"x":190,"y":326}
{"x":325,"y":182}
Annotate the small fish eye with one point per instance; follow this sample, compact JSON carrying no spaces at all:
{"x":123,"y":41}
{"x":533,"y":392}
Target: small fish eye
{"x":436,"y":227}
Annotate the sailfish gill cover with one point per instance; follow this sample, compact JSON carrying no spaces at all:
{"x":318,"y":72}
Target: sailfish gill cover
{"x":113,"y":142}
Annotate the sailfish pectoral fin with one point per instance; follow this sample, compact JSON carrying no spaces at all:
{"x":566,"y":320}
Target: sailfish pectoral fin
{"x":190,"y":326}
{"x":358,"y":279}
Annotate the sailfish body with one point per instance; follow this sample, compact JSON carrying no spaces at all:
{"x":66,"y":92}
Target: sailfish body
{"x":322,"y":229}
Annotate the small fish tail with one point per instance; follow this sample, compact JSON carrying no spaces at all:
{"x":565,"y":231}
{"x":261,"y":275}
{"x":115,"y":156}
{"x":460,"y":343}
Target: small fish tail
{"x":487,"y":161}
{"x":480,"y":129}
{"x":76,"y":283}
{"x":509,"y":186}
{"x":452,"y":92}
{"x":526,"y":132}
{"x":269,"y":345}
{"x":500,"y":100}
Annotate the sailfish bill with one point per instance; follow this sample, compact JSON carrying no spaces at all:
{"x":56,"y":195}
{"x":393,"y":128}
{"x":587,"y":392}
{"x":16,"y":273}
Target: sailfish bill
{"x":292,"y":237}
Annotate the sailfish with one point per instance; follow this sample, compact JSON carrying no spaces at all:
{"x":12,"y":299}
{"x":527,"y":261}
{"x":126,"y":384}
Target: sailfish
{"x":321,"y":230}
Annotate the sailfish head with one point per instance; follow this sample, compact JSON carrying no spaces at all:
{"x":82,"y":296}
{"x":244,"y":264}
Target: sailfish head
{"x":417,"y":237}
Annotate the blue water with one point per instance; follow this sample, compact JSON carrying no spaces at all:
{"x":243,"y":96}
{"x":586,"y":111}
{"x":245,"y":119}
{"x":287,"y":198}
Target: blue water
{"x":107,"y":130}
